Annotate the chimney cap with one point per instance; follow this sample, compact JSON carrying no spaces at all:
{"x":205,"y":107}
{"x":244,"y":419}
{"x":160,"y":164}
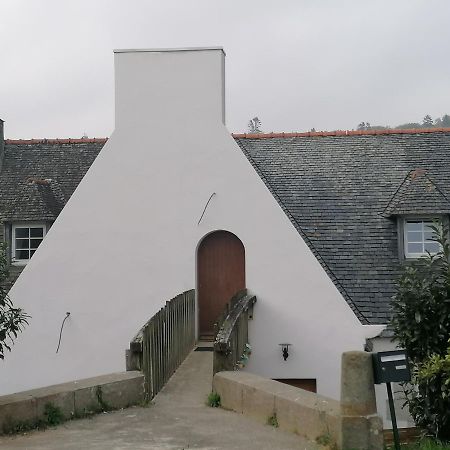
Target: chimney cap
{"x":166,"y":50}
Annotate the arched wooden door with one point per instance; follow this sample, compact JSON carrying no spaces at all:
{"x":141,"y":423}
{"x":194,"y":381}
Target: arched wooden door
{"x":220,"y":274}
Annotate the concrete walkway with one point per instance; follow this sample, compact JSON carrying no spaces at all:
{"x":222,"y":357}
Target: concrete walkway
{"x":178,"y":418}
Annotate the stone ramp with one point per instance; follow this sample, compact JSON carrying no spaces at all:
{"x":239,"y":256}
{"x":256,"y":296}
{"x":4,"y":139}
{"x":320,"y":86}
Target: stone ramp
{"x":178,"y":418}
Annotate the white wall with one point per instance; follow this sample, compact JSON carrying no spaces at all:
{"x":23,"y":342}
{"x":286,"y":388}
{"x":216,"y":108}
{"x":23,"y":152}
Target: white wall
{"x":126,"y":241}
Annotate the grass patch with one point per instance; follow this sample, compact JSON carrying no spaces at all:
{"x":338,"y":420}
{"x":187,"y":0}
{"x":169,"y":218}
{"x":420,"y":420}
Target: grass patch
{"x":423,"y":444}
{"x":11,"y":426}
{"x":52,"y":416}
{"x":213,"y":400}
{"x":146,"y":403}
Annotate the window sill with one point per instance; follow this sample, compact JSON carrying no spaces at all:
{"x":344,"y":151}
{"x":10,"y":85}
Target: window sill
{"x":20,"y":263}
{"x":416,"y":256}
{"x":414,"y":262}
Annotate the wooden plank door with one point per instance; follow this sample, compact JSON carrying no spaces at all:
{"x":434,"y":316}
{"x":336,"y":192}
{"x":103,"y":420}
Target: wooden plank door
{"x":220,"y":274}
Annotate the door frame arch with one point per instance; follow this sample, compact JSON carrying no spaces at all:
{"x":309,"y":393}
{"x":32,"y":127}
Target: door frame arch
{"x":199,"y":243}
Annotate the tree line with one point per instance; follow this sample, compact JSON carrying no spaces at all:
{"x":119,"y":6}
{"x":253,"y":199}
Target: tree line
{"x":254,"y":125}
{"x":427,"y":122}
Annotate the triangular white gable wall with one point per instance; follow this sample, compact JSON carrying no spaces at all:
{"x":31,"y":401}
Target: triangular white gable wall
{"x":126,"y":241}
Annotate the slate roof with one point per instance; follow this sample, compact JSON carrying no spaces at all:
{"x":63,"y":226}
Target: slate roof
{"x":341,"y":190}
{"x":336,"y":187}
{"x":39,"y":176}
{"x":37,"y":200}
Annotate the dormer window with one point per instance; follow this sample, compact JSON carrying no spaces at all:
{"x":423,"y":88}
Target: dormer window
{"x":419,"y":238}
{"x":26,"y":238}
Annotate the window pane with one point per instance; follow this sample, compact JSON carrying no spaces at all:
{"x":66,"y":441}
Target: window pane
{"x":432,"y":247}
{"x":22,"y":254}
{"x":429,"y":235}
{"x":34,"y":243}
{"x":414,"y":226}
{"x":22,"y":232}
{"x":414,"y":236}
{"x":36,"y":232}
{"x":32,"y":253}
{"x":415,"y":248}
{"x":22,"y":243}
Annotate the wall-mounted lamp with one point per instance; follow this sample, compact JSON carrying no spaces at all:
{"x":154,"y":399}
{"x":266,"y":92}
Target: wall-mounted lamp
{"x":285,"y":350}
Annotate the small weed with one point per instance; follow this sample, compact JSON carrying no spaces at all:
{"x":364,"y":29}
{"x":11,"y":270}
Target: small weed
{"x":273,"y":421}
{"x":324,"y":439}
{"x":11,"y":426}
{"x":103,"y":404}
{"x":53,"y":414}
{"x":213,"y":400}
{"x":146,"y":403}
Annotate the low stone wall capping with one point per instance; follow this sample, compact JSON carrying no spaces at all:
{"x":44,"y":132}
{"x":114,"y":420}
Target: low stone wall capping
{"x":113,"y":391}
{"x":351,"y":423}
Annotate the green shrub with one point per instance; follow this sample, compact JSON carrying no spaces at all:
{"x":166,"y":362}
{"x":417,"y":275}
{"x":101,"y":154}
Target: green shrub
{"x":429,"y":396}
{"x":12,"y":319}
{"x":421,"y":323}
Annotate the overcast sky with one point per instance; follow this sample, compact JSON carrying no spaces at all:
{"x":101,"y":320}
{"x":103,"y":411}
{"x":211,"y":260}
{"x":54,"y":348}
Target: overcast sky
{"x":296,"y":64}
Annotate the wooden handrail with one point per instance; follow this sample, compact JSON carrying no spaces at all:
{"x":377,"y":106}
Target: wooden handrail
{"x":231,"y":343}
{"x":228,"y":307}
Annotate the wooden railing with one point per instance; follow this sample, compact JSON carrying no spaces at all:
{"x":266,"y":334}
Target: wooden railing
{"x":231,"y":346}
{"x":163,"y":343}
{"x":226,"y":311}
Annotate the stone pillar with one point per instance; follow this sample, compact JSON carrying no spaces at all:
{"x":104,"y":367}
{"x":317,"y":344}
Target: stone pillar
{"x":361,"y":427}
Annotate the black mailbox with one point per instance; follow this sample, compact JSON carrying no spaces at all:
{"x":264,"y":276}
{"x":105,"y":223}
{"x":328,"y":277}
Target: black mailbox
{"x":390,"y":367}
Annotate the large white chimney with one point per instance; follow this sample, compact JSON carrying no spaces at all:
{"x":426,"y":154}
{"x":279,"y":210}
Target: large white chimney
{"x":158,"y":87}
{"x":125,"y":242}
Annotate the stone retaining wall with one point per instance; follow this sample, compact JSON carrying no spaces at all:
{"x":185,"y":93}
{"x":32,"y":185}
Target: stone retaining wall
{"x":351,"y":423}
{"x":296,"y":410}
{"x":76,"y":398}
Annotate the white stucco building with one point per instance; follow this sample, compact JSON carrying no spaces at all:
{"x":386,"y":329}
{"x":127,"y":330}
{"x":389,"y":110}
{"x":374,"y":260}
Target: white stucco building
{"x":128,"y":238}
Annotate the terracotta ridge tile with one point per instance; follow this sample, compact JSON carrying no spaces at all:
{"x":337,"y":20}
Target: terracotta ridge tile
{"x":56,"y":141}
{"x":249,"y":135}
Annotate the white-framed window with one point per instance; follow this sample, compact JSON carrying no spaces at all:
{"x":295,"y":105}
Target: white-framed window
{"x":418,"y":238}
{"x":26,"y":238}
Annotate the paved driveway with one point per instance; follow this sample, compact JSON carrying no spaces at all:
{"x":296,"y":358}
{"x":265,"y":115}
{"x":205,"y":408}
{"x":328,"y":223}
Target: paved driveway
{"x":178,"y":418}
